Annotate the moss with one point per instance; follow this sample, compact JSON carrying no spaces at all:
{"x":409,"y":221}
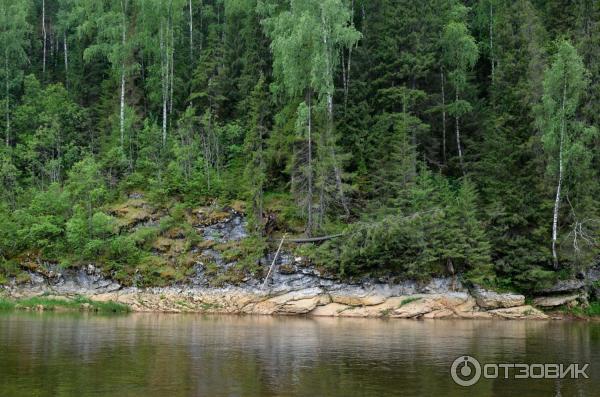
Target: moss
{"x":206,"y":244}
{"x":230,"y":276}
{"x":187,"y":260}
{"x":209,"y":306}
{"x":249,"y":252}
{"x":22,"y":278}
{"x":78,"y":303}
{"x":144,"y":237}
{"x":206,"y":216}
{"x":131,"y":213}
{"x":211,"y":268}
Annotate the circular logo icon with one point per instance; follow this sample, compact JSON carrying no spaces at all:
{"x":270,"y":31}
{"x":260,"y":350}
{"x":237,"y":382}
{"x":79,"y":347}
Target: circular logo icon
{"x":465,"y":371}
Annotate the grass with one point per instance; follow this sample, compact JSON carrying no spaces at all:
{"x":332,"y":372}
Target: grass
{"x":592,"y":310}
{"x":408,"y":300}
{"x":78,"y":303}
{"x":6,"y":305}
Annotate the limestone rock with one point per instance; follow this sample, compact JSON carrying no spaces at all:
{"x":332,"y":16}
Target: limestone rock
{"x":301,"y":306}
{"x":330,"y":310}
{"x":526,"y":312}
{"x":553,"y":301}
{"x":356,"y":299}
{"x":564,"y":286}
{"x":493,"y":300}
{"x":421,"y":305}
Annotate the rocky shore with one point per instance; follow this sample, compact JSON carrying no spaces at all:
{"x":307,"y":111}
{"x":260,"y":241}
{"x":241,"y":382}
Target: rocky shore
{"x":294,"y":288}
{"x":299,"y":292}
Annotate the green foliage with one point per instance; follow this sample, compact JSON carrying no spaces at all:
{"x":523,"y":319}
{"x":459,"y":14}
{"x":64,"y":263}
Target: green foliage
{"x":77,"y":303}
{"x":439,"y":234}
{"x":323,"y":116}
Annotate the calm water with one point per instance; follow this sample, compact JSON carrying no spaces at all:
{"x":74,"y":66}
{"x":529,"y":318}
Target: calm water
{"x":191,"y":355}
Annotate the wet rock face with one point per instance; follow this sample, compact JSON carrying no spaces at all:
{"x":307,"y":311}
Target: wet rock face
{"x":231,"y":229}
{"x":87,"y":280}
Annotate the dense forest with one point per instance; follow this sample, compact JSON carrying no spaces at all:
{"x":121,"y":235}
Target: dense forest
{"x":433,"y":137}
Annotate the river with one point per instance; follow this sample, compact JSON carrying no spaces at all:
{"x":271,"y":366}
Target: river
{"x":73,"y":354}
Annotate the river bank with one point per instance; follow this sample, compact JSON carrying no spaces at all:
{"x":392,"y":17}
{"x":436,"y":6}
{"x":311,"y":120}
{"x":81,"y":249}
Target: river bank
{"x":298,"y":292}
{"x":214,"y":283}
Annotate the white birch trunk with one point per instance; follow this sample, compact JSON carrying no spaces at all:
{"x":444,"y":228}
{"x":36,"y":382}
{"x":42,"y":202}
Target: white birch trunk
{"x":164,"y":77}
{"x":44,"y":36}
{"x":347,"y":82}
{"x":191,"y":34}
{"x":171,"y":65}
{"x":560,"y":178}
{"x":443,"y":116}
{"x":460,"y":154}
{"x":66,"y":51}
{"x":123,"y":41}
{"x":122,"y":106}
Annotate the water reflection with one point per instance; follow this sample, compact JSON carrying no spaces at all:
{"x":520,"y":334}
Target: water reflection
{"x":189,"y":355}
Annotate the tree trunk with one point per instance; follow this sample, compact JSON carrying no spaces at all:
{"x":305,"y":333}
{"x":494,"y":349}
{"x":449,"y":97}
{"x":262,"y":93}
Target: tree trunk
{"x":171,"y":56}
{"x":191,"y":34}
{"x":443,"y":117}
{"x":122,"y":107}
{"x":66,"y":51}
{"x":6,"y":78}
{"x":560,"y":178}
{"x":336,"y":168}
{"x":492,"y":39}
{"x":44,"y":34}
{"x":260,"y":193}
{"x":164,"y":77}
{"x":460,"y":154}
{"x":347,"y":74}
{"x":329,"y":140}
{"x":122,"y":104}
{"x":309,"y":225}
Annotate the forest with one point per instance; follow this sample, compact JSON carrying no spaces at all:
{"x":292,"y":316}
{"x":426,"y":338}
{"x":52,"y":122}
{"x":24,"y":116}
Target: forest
{"x":433,"y":137}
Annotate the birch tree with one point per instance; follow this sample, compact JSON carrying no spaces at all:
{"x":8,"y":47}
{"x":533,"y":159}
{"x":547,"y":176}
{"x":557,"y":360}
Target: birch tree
{"x":163,"y":18}
{"x":108,"y":23}
{"x":14,"y":29}
{"x":460,"y":55}
{"x":564,"y":138}
{"x":306,"y":39}
{"x":486,"y":17}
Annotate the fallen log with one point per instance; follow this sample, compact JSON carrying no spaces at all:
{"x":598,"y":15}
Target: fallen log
{"x":312,"y":239}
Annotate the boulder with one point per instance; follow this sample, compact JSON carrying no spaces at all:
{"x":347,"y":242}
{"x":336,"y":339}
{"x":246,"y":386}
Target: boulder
{"x":563,"y":286}
{"x":301,"y":306}
{"x":554,"y":301}
{"x":420,"y":305}
{"x":494,"y":300}
{"x":352,"y":298}
{"x":526,"y":312}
